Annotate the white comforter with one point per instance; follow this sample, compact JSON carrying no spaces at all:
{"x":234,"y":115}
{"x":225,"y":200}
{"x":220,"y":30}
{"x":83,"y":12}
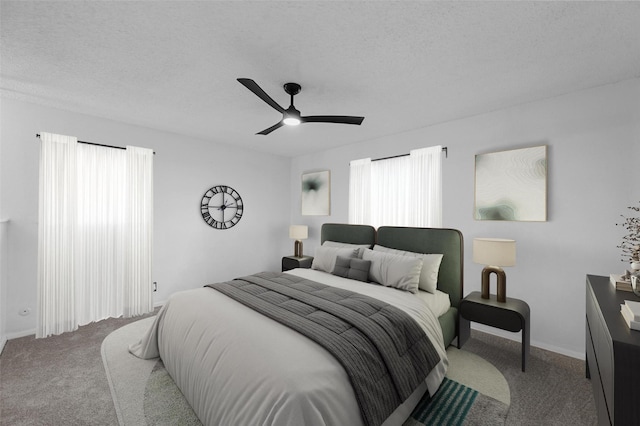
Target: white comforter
{"x":237,"y":367}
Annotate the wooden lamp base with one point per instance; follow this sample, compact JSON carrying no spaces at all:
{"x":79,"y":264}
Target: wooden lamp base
{"x":502,"y":282}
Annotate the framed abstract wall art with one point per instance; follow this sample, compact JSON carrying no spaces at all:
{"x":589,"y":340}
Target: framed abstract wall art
{"x":512,"y":185}
{"x":316,"y":194}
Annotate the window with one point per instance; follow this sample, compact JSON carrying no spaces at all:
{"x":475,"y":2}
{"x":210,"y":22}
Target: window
{"x":399,"y":191}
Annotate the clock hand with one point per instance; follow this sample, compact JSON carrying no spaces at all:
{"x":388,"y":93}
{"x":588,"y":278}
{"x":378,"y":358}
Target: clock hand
{"x":223,"y":204}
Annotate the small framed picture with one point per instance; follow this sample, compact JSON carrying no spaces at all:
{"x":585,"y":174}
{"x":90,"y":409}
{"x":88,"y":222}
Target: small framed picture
{"x":316,"y":194}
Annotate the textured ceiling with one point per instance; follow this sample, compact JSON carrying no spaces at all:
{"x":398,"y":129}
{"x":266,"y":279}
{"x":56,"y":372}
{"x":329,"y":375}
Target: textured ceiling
{"x":403,"y":65}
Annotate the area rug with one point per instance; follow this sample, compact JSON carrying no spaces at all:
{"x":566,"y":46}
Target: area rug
{"x":474,"y":392}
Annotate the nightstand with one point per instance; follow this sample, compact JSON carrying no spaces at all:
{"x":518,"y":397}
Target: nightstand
{"x":512,"y":315}
{"x":292,"y":262}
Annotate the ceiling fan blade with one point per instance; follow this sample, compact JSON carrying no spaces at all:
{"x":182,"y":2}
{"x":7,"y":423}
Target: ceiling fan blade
{"x":271,"y":129}
{"x":253,"y":86}
{"x":340,"y":119}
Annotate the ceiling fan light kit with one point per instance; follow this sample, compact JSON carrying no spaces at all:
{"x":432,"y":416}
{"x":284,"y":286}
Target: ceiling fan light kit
{"x":291,"y":121}
{"x":291,"y":116}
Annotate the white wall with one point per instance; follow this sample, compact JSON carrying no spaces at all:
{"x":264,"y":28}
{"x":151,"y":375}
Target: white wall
{"x":634,"y":161}
{"x":4,"y":254}
{"x":187,"y":252}
{"x":3,"y":280}
{"x":592,"y":137}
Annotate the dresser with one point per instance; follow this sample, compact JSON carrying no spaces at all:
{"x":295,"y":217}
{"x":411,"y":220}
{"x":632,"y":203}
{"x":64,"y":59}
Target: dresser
{"x":613,"y":354}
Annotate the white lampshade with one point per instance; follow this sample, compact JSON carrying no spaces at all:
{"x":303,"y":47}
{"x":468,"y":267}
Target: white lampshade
{"x":494,"y":251}
{"x":298,"y":232}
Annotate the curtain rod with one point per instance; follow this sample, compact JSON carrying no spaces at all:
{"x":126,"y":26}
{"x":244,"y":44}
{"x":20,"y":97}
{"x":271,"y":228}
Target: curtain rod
{"x":444,"y":149}
{"x":97,"y":144}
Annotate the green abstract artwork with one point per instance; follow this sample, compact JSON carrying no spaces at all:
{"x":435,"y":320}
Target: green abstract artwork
{"x":512,"y":185}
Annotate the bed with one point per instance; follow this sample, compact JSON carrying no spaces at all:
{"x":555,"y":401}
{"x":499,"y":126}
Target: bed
{"x":235,"y":366}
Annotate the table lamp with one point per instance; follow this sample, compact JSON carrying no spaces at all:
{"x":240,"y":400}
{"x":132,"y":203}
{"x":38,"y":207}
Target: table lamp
{"x":298,"y":232}
{"x":495,"y":253}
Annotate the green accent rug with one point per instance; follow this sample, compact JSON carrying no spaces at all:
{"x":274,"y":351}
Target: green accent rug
{"x":456,"y":404}
{"x":473,"y":393}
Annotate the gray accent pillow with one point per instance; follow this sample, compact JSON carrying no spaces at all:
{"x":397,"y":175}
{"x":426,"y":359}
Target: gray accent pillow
{"x":359,"y":269}
{"x":342,"y":266}
{"x":352,"y":268}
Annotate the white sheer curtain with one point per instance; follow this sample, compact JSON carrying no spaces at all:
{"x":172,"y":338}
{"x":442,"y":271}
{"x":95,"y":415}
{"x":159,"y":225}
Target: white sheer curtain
{"x":400,"y":191}
{"x":391,"y":192}
{"x":360,"y":191}
{"x":95,"y":233}
{"x":56,"y":235}
{"x":138,"y":297}
{"x":99,"y":232}
{"x":426,"y":174}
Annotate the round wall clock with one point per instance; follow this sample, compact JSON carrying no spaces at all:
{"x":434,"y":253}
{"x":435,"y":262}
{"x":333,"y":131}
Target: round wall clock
{"x":221,"y":207}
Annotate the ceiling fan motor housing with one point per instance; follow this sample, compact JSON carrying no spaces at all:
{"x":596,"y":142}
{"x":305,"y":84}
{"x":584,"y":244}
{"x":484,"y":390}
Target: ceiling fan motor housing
{"x":292,"y":88}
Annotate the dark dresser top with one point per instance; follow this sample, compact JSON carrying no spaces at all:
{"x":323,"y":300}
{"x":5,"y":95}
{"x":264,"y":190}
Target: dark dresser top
{"x":610,"y":300}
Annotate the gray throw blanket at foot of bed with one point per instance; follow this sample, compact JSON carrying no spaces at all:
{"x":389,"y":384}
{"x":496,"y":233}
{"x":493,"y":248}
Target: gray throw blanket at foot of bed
{"x":384,"y":351}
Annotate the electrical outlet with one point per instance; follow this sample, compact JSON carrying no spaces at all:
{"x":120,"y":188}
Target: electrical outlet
{"x":155,"y":286}
{"x":24,"y":312}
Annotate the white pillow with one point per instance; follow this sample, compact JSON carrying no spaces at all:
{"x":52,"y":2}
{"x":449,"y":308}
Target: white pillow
{"x":360,"y":247}
{"x":392,"y":270}
{"x":325,"y":257}
{"x":430,"y":266}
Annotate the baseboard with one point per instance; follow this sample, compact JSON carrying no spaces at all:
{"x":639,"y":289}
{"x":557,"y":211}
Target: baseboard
{"x":517,"y":338}
{"x":19,"y":334}
{"x":3,"y":341}
{"x":159,"y":304}
{"x":558,"y":350}
{"x":32,"y":332}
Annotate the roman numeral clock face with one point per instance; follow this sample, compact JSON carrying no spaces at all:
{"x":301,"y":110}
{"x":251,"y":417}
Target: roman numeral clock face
{"x":222,"y":207}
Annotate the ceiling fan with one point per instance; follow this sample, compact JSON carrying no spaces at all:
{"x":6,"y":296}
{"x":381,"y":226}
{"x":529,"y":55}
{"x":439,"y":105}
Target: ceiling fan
{"x":291,"y":116}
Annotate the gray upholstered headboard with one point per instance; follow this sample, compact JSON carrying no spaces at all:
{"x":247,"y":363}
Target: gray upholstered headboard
{"x":343,"y":233}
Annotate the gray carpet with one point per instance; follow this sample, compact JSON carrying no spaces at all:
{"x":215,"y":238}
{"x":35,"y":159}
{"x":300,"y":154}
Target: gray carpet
{"x":553,"y":391}
{"x":61,"y":381}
